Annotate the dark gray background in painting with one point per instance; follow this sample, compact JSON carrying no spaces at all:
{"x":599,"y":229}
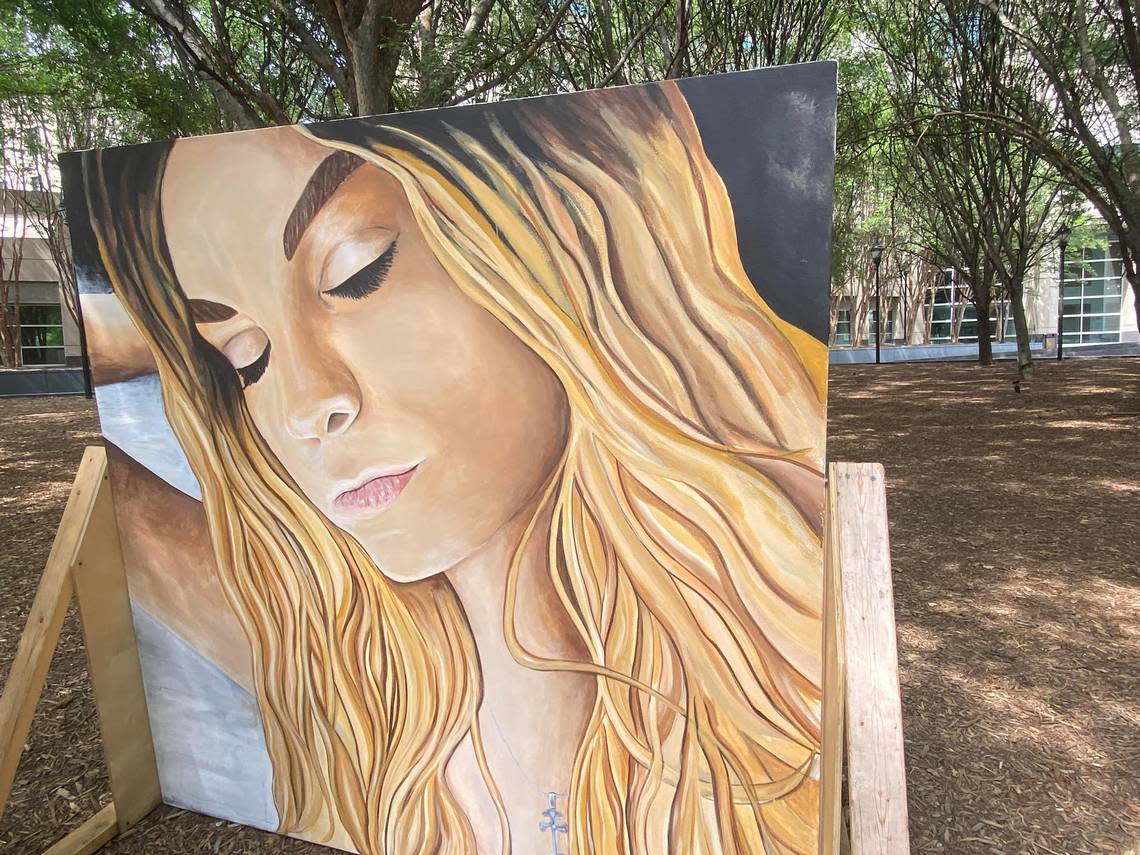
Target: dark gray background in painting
{"x":771,"y":136}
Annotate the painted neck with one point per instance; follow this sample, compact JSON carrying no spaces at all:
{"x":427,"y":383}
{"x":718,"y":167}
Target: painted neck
{"x":531,"y":721}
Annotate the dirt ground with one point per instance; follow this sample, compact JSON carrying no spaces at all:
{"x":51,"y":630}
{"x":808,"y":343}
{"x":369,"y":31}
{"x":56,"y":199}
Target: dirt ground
{"x":1015,"y":528}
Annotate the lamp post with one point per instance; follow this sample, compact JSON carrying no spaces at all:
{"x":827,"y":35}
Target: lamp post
{"x":877,"y":258}
{"x":1063,"y":235}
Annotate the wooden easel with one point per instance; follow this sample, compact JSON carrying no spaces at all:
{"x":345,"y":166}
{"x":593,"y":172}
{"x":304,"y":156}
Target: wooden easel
{"x":86,"y":560}
{"x":859,"y":642}
{"x":859,"y":635}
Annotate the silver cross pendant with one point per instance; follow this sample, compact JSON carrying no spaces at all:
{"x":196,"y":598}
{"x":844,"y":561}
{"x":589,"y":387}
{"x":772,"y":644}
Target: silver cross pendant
{"x":553,"y":822}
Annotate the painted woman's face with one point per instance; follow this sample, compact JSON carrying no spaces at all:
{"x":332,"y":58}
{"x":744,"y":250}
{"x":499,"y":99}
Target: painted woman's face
{"x":407,"y":413}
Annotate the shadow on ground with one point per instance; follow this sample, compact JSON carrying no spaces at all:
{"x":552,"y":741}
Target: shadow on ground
{"x":1015,"y":526}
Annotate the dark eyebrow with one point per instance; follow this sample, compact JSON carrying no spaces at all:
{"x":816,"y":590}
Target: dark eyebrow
{"x":209,"y":312}
{"x":324,"y":181}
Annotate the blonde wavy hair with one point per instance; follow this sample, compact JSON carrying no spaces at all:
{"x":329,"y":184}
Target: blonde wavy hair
{"x":686,"y":508}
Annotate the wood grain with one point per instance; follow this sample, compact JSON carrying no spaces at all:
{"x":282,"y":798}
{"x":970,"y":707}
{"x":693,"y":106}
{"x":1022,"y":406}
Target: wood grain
{"x":41,"y":633}
{"x":876,"y":775}
{"x":113,"y":663}
{"x":831,"y":749}
{"x":89,"y":837}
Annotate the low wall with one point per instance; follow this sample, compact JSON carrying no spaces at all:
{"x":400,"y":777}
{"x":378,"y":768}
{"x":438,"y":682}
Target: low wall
{"x":969,"y":352}
{"x":930,"y":353}
{"x":41,"y":381}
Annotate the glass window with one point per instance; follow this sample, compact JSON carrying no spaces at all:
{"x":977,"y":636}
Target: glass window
{"x":41,"y":315}
{"x":843,"y":326}
{"x":942,"y":308}
{"x":43,"y":356}
{"x":1101,"y":323}
{"x":888,"y":330}
{"x":41,"y":334}
{"x":950,"y":302}
{"x":1092,"y":296}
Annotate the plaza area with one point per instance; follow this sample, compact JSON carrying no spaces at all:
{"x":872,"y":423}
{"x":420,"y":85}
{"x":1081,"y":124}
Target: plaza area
{"x":1015,"y":533}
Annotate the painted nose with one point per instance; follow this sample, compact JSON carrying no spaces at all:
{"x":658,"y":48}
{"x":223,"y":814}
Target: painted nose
{"x":323,"y":418}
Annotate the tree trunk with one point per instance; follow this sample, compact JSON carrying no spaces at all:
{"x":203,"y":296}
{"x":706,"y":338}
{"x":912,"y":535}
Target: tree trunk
{"x":1134,"y":281}
{"x":982,"y":293}
{"x":1015,"y":289}
{"x":376,"y":42}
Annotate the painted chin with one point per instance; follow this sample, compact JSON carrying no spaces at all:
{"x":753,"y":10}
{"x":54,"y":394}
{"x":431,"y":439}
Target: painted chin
{"x":371,"y":494}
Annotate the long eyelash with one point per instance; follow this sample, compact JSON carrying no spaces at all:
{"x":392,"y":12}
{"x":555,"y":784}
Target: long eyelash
{"x":366,"y":280}
{"x":251,"y":373}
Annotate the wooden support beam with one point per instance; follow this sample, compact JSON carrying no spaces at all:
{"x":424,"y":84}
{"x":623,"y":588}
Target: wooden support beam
{"x":86,"y":559}
{"x":41,"y":633}
{"x":89,"y":837}
{"x":876,"y":774}
{"x":834,"y":689}
{"x":113,"y":661}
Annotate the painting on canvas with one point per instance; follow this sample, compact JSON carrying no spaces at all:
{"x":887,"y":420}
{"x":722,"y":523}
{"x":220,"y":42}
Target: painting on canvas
{"x":469,"y":464}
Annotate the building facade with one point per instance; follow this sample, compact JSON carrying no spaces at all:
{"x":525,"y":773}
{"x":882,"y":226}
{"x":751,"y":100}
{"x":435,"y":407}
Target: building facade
{"x":43,"y":330}
{"x":1098,"y":306}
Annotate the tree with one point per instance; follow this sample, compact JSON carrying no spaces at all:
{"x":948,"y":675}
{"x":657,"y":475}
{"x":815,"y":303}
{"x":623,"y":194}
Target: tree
{"x":1076,"y":102}
{"x":270,"y":62}
{"x":108,"y":66}
{"x":986,"y":201}
{"x":41,"y":127}
{"x":13,"y":236}
{"x":276,"y":62}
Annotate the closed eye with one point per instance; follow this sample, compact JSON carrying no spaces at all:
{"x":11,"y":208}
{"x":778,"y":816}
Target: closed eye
{"x":251,"y":373}
{"x":367,"y":279}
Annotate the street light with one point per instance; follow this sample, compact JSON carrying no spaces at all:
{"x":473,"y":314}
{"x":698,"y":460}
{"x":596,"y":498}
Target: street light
{"x":1063,"y":235}
{"x":877,"y":258}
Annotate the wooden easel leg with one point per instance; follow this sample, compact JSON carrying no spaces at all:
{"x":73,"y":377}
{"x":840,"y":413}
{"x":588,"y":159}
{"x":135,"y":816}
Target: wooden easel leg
{"x":89,"y":837}
{"x":41,"y":633}
{"x":86,"y":559}
{"x":113,"y":661}
{"x":876,"y":774}
{"x":831,"y":827}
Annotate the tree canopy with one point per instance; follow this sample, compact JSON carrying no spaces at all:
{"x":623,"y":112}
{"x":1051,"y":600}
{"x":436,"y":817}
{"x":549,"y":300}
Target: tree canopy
{"x":968,"y":129}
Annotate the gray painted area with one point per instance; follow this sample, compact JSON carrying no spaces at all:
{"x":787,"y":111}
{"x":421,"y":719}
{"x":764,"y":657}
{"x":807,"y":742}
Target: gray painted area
{"x":133,"y":419}
{"x":207,"y":731}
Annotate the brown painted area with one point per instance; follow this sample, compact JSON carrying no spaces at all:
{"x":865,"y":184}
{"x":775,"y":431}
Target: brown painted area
{"x":117,"y":350}
{"x":170,"y":565}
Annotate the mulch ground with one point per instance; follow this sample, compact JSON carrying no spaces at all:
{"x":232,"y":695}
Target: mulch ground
{"x":1015,"y":531}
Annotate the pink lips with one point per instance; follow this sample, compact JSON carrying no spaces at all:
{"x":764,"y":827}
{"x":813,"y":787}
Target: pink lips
{"x":374,"y":494}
